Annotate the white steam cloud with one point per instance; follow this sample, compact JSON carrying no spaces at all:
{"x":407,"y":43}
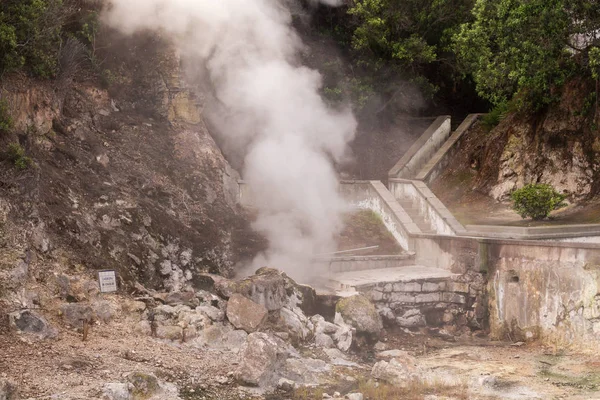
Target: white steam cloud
{"x":269,"y":103}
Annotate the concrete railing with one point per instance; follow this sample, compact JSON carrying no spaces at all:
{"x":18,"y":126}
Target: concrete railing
{"x":440,"y":160}
{"x":423,"y":149}
{"x":373,"y":195}
{"x":430,"y":207}
{"x":535,"y":232}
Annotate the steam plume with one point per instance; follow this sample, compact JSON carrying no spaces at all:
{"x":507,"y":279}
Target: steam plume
{"x":271,"y":104}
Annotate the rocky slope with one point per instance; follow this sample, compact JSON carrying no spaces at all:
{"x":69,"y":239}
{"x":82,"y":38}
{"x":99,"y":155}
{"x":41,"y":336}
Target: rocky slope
{"x":124,"y":178}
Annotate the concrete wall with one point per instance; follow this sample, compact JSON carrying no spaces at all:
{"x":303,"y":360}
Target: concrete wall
{"x":440,"y":160}
{"x":536,"y":290}
{"x":363,"y":263}
{"x":535,"y":232}
{"x":430,"y":207}
{"x":373,"y":195}
{"x":422,"y":150}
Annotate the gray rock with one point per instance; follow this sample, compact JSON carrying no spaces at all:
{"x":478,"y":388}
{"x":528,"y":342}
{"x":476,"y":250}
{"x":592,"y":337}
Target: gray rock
{"x":260,"y":358}
{"x":245,"y":314}
{"x":75,"y":313}
{"x":8,"y":390}
{"x":116,"y":391}
{"x":306,"y":371}
{"x":296,"y":322}
{"x":176,"y":298}
{"x":355,"y":396}
{"x":286,"y":385}
{"x":396,"y":372}
{"x":336,"y":357}
{"x":322,"y":326}
{"x":266,"y":287}
{"x":344,"y":334}
{"x":324,"y":341}
{"x":411,"y":318}
{"x":30,"y":322}
{"x":212,"y":312}
{"x":359,"y":312}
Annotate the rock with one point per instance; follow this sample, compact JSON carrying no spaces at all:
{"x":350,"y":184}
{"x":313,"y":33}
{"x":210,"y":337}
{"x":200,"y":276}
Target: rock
{"x":103,"y":311}
{"x":265,"y":287}
{"x":336,"y":357}
{"x":400,"y":354}
{"x":380,"y":346}
{"x":221,"y":337}
{"x":396,"y":372}
{"x":244,"y":313}
{"x":213,"y":313}
{"x":344,"y":334}
{"x":116,"y":391}
{"x":28,"y":321}
{"x":306,"y":371}
{"x":144,"y":385}
{"x":322,"y":326}
{"x":75,"y":313}
{"x":176,"y":298}
{"x":296,"y":322}
{"x":355,"y":396}
{"x":132,"y":306}
{"x":411,"y":318}
{"x":324,"y":341}
{"x":8,"y":390}
{"x":286,"y":385}
{"x":359,"y":312}
{"x":261,"y":356}
{"x":169,"y":332}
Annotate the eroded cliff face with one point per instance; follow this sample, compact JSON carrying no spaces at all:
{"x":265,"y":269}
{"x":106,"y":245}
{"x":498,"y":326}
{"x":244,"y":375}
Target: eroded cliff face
{"x":559,"y":146}
{"x":126,"y":177}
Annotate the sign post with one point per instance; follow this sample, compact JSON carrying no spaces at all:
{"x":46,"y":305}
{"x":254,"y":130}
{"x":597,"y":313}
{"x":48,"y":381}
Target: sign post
{"x":108,"y":281}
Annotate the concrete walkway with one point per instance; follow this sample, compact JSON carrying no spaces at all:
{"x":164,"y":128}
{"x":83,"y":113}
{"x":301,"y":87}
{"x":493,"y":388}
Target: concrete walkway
{"x":353,"y":279}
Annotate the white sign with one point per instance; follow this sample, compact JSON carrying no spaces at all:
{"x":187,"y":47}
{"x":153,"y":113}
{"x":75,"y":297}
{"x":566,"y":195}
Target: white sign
{"x":108,"y":281}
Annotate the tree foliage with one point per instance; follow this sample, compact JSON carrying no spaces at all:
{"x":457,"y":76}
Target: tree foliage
{"x":526,"y":47}
{"x":414,"y":35}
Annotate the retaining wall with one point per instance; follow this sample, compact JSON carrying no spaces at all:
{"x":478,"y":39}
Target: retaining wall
{"x":430,"y":207}
{"x":423,"y":149}
{"x":373,"y":195}
{"x":536,"y":290}
{"x":535,"y":232}
{"x":440,"y":160}
{"x":362,"y":263}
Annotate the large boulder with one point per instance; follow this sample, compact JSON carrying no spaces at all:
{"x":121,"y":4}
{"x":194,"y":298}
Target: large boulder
{"x":261,"y":357}
{"x":245,"y":314}
{"x":273,"y":289}
{"x":305,"y":371}
{"x":27,"y":321}
{"x":360,"y":313}
{"x":396,"y":372}
{"x":296,"y":323}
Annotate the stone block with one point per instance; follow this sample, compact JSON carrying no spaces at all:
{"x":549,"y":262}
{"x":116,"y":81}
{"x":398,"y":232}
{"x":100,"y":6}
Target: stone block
{"x":388,"y":288}
{"x":454,"y":298}
{"x":428,"y":297}
{"x":402,"y":298}
{"x":376,"y":295}
{"x":430,"y":287}
{"x":459,"y":287}
{"x":407,"y":287}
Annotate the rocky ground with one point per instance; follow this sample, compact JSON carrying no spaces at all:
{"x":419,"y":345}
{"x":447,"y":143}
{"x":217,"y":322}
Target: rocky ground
{"x":260,"y":338}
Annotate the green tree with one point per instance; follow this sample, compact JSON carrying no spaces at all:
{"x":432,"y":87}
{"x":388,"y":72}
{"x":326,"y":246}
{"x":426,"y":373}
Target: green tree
{"x":413,"y":35}
{"x":526,"y":47}
{"x":30,"y":35}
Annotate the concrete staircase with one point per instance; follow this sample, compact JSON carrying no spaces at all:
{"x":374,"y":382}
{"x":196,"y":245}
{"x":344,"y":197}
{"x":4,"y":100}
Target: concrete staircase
{"x":416,"y":214}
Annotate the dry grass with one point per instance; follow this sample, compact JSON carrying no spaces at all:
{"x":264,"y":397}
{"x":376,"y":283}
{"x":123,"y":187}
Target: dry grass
{"x":414,"y":390}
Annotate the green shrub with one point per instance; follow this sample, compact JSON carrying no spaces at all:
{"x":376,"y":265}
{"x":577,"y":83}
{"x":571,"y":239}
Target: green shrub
{"x":6,"y":122}
{"x":16,"y":154}
{"x":493,"y":118}
{"x":536,"y":201}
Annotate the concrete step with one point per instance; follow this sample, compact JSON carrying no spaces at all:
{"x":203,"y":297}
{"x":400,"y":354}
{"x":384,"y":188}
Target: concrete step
{"x":366,"y":263}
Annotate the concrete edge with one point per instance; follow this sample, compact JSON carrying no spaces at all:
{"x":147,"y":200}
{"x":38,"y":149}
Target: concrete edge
{"x":519,"y":242}
{"x":440,"y":157}
{"x":436,"y":204}
{"x":534,"y":232}
{"x":418,"y":148}
{"x":396,"y":208}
